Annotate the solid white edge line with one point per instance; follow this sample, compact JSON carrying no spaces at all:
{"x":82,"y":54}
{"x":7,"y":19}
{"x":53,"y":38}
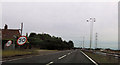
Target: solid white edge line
{"x":13,"y":59}
{"x":49,"y":63}
{"x":90,"y":58}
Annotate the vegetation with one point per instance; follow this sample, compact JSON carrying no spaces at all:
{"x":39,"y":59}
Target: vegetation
{"x":46,"y":41}
{"x":101,"y":59}
{"x":9,"y":53}
{"x":24,"y":52}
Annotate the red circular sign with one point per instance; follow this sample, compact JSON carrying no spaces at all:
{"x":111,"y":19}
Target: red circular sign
{"x":21,"y":40}
{"x":8,"y":43}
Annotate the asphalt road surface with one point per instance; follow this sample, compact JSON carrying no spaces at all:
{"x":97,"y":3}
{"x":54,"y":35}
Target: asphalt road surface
{"x":68,"y":57}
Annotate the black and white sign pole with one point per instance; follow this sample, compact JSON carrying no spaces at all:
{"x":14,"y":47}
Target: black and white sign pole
{"x":21,"y":28}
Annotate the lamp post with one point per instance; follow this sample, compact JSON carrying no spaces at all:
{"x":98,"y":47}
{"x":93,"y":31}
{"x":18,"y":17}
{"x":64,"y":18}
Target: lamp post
{"x":91,"y":20}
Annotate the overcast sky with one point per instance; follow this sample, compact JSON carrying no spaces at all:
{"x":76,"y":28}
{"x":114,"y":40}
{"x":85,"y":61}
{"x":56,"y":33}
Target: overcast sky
{"x":66,"y":20}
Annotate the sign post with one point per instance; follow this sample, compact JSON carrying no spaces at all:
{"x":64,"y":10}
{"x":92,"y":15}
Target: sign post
{"x":22,"y":40}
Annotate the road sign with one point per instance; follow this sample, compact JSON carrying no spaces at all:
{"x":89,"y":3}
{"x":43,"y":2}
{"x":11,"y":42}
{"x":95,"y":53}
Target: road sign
{"x":22,"y":40}
{"x":8,"y":43}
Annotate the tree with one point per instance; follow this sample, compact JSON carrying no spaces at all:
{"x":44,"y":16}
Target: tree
{"x":46,"y":41}
{"x":32,"y":34}
{"x":71,"y":44}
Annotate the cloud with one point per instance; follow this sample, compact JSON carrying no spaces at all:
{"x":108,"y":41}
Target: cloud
{"x":66,"y":20}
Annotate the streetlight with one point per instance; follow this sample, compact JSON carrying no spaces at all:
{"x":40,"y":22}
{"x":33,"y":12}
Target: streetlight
{"x":91,"y":20}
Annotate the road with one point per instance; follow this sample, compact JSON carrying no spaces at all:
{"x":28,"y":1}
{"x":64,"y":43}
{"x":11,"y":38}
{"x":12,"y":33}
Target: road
{"x":68,"y":57}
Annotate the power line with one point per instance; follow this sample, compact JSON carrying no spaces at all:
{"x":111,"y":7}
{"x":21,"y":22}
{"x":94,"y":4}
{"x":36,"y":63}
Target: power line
{"x":96,"y":40}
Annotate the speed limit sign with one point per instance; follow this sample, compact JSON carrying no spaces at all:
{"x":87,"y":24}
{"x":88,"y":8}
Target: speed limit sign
{"x":8,"y":43}
{"x":22,"y":40}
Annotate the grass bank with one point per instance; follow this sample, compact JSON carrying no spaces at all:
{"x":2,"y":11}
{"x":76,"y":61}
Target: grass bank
{"x":100,"y":58}
{"x":13,"y":53}
{"x":10,"y":53}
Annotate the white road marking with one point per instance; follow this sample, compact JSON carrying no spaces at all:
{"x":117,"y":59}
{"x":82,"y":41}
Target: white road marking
{"x":90,"y":58}
{"x":13,"y":59}
{"x":61,"y":57}
{"x":49,"y":63}
{"x":68,"y":53}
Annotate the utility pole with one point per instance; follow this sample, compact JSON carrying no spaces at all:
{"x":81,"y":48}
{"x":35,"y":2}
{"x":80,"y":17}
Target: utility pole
{"x":91,"y":20}
{"x":80,"y":44}
{"x":96,"y":40}
{"x":83,"y":41}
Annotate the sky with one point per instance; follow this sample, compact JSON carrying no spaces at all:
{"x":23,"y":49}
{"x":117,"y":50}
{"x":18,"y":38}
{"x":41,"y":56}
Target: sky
{"x":59,"y":0}
{"x":66,"y":20}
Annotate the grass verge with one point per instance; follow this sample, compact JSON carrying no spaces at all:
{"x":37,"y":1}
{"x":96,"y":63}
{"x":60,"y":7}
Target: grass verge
{"x":10,"y":53}
{"x":22,"y":52}
{"x":100,"y":58}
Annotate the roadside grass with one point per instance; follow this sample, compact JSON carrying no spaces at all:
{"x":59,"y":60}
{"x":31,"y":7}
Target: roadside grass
{"x":101,"y":58}
{"x":11,"y":53}
{"x":44,"y":50}
{"x":0,"y":52}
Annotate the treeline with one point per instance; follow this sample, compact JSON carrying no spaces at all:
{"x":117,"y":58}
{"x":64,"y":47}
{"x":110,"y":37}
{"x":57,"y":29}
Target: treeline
{"x":46,"y":41}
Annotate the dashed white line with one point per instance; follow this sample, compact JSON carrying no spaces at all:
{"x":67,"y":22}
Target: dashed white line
{"x":90,"y":58}
{"x":61,"y":57}
{"x":68,"y":53}
{"x":49,"y":63}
